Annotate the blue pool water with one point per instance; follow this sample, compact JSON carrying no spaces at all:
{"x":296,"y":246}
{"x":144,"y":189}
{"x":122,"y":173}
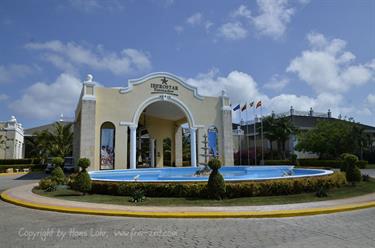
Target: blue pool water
{"x":187,"y":174}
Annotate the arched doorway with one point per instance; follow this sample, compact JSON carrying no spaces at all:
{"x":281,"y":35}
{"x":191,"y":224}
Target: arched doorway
{"x":158,"y":135}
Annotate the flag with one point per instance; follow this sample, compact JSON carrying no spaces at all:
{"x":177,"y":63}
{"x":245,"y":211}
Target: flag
{"x":244,"y":107}
{"x":251,"y":104}
{"x":236,"y":108}
{"x":259,"y":104}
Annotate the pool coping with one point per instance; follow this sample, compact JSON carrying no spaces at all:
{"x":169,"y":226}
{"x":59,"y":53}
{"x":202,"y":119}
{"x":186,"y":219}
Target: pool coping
{"x":23,"y":196}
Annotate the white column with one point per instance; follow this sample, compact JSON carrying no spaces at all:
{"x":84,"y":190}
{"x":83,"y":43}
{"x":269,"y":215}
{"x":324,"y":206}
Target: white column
{"x":193,"y":146}
{"x":133,"y":147}
{"x":152,"y":152}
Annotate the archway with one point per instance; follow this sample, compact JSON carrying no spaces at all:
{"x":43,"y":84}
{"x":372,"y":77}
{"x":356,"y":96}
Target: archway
{"x":159,"y":127}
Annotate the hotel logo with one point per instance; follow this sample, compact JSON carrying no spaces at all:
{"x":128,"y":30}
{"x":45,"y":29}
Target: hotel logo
{"x":164,"y":88}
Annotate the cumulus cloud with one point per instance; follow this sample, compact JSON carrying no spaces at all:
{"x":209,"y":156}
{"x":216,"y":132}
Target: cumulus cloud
{"x":270,"y":19}
{"x":241,"y":87}
{"x":89,"y":6}
{"x":233,"y":31}
{"x":273,"y":18}
{"x":13,"y":72}
{"x":195,"y":19}
{"x":67,"y":56}
{"x":328,"y":67}
{"x":48,"y":100}
{"x":277,"y":83}
{"x":371,"y":100}
{"x":242,"y":11}
{"x":3,"y":97}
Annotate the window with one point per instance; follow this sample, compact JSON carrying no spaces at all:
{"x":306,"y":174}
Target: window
{"x":107,"y":146}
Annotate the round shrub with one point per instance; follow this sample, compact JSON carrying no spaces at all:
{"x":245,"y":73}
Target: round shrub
{"x":47,"y":184}
{"x":82,"y":182}
{"x":216,"y":185}
{"x":214,"y":164}
{"x":58,"y":161}
{"x":353,"y":174}
{"x":349,"y":159}
{"x":58,"y":175}
{"x":83,"y":163}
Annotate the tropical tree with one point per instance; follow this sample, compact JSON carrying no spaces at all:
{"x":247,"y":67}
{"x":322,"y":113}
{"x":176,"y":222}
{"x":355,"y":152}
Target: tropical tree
{"x":57,"y":143}
{"x":329,"y":139}
{"x":279,"y":130}
{"x":269,"y":125}
{"x":284,"y":129}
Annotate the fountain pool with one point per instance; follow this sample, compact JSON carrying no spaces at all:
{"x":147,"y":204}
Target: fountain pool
{"x":187,"y":174}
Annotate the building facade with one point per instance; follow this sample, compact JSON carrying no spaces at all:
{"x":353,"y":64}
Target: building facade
{"x":11,"y":139}
{"x":141,"y":125}
{"x":245,"y":136}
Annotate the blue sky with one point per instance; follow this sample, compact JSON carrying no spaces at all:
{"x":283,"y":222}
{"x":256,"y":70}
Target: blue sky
{"x":318,"y":54}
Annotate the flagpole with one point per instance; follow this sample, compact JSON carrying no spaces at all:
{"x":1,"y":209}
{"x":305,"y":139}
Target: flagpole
{"x":247,"y":139}
{"x":240,"y":136}
{"x":255,"y":140}
{"x":261,"y":123}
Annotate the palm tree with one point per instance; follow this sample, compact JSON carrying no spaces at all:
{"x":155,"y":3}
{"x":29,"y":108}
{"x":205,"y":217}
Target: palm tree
{"x":269,"y":125}
{"x":278,"y":129}
{"x":58,"y":142}
{"x":284,"y":128}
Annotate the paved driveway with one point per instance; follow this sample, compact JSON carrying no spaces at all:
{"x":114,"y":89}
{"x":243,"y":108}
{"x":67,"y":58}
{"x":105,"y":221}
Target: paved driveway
{"x":22,"y":227}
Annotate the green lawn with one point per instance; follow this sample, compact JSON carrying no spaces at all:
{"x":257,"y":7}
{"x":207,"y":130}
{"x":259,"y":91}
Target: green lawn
{"x":370,"y":166}
{"x":338,"y":193}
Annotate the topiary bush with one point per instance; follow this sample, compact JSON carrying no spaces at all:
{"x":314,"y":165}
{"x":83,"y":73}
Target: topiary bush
{"x":58,"y":162}
{"x":216,"y":185}
{"x":138,"y":195}
{"x":47,"y":184}
{"x":58,"y":175}
{"x":82,"y":181}
{"x":353,"y":174}
{"x":83,"y":163}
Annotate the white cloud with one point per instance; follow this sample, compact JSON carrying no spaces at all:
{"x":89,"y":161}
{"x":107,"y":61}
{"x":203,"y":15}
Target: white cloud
{"x":3,"y":97}
{"x":10,"y":73}
{"x":89,"y":6}
{"x":273,"y":18}
{"x":327,"y":67}
{"x":239,"y":86}
{"x":371,"y":100}
{"x":233,"y":31}
{"x":195,"y":19}
{"x":47,"y":101}
{"x":242,"y":11}
{"x":70,"y":55}
{"x":179,"y":28}
{"x":277,"y":83}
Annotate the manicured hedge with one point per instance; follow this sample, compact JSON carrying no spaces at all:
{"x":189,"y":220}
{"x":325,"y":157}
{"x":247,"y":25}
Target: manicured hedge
{"x":233,"y":190}
{"x":19,"y":161}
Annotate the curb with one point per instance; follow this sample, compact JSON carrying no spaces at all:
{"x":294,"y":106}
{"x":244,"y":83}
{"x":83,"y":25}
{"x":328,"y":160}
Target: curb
{"x":13,"y":173}
{"x":252,"y":214}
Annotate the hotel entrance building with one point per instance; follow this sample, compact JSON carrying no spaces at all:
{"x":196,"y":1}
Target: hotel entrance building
{"x":146,"y":123}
